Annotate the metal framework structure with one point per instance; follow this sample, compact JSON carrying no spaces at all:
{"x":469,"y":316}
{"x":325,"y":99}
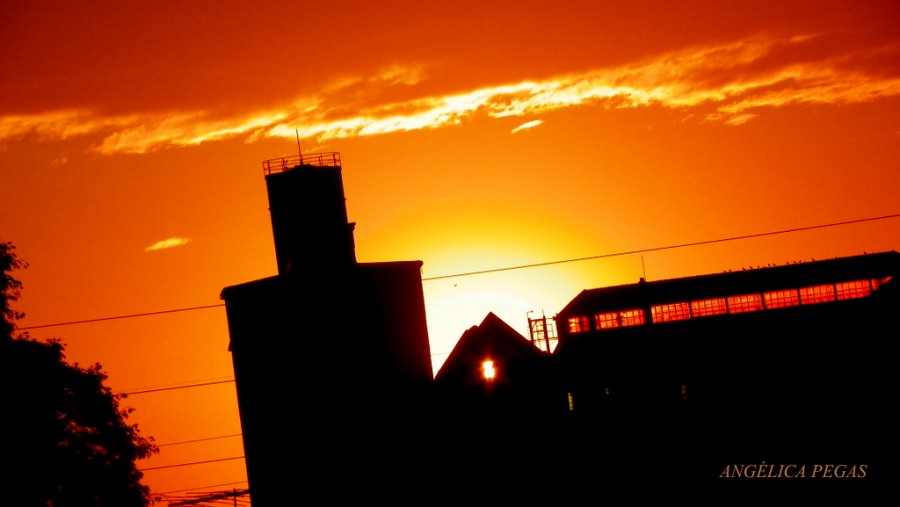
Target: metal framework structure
{"x":281,"y":164}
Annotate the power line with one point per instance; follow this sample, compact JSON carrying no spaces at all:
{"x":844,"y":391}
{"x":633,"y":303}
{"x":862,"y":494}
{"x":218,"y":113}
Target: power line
{"x":100,"y":319}
{"x":511,"y":268}
{"x":201,"y":487}
{"x":211,"y":497}
{"x":191,"y":463}
{"x":657,"y":249}
{"x":220,"y":437}
{"x":179,"y":387}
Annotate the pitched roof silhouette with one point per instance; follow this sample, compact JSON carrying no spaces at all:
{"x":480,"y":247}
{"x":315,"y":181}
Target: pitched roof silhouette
{"x":492,"y":339}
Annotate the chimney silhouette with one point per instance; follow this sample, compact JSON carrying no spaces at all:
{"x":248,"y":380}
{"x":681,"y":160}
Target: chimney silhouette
{"x":309,"y":213}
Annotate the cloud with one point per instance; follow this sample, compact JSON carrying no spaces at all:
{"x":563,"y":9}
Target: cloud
{"x":739,"y":119}
{"x":60,"y":124}
{"x":527,"y":125}
{"x":167,"y":243}
{"x":134,"y":133}
{"x":154,"y":132}
{"x":736,"y":80}
{"x":729,"y":83}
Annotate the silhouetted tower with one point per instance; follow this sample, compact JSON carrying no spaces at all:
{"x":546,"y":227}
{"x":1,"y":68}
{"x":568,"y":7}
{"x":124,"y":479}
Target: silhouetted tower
{"x":309,"y":212}
{"x":331,"y":356}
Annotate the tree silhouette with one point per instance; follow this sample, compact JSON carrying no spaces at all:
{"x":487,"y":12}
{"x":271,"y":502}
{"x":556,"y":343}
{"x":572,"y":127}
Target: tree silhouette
{"x":67,"y":440}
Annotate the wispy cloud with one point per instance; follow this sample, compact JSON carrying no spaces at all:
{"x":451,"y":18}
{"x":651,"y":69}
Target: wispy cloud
{"x":61,"y":124}
{"x":133,"y":133}
{"x":167,"y":243}
{"x":731,"y":83}
{"x":527,"y":125}
{"x":734,"y":80}
{"x":154,"y":132}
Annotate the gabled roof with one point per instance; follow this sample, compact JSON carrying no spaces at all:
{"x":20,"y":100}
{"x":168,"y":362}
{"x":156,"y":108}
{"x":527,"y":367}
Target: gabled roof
{"x":492,"y":339}
{"x":745,"y":281}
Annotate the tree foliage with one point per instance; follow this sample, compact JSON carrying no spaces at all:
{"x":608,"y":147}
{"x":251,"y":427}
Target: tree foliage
{"x":68,"y":439}
{"x":10,"y":288}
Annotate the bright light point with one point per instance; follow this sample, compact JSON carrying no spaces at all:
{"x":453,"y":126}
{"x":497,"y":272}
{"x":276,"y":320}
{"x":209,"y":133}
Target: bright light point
{"x":527,"y":125}
{"x":488,"y":367}
{"x":167,"y":243}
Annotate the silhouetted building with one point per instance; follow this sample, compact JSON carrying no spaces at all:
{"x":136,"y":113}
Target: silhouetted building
{"x":709,"y":337}
{"x":493,"y":371}
{"x":788,"y":363}
{"x":680,"y":377}
{"x":331,"y":356}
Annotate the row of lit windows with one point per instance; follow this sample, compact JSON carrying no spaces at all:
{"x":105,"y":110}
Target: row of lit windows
{"x":670,"y":312}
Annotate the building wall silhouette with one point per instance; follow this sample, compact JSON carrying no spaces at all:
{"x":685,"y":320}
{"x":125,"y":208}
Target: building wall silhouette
{"x":330,"y":355}
{"x":807,"y":332}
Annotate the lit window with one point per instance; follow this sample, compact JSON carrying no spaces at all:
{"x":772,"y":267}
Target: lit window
{"x":488,"y":368}
{"x":878,"y":282}
{"x":579,"y":324}
{"x":670,"y":312}
{"x":607,"y":320}
{"x":704,"y":307}
{"x":854,"y":289}
{"x":632,"y":317}
{"x":781,"y":298}
{"x":744,"y":303}
{"x":817,"y":294}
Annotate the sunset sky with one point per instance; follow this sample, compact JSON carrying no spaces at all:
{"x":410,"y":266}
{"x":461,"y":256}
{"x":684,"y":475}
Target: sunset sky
{"x":474,"y":136}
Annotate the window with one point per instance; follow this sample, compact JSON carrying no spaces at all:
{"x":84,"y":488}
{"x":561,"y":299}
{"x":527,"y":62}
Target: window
{"x":487,"y":368}
{"x":878,"y":282}
{"x":632,"y":317}
{"x":781,"y":298}
{"x":607,"y":320}
{"x":704,"y":307}
{"x":854,"y":289}
{"x":579,"y":324}
{"x":744,"y":303}
{"x":670,"y":312}
{"x":817,"y":294}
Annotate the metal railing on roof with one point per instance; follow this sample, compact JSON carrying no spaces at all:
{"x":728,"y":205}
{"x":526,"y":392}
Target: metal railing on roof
{"x":281,"y":164}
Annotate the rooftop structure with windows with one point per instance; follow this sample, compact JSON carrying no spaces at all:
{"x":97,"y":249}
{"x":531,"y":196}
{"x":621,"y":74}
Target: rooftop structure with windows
{"x":729,"y":293}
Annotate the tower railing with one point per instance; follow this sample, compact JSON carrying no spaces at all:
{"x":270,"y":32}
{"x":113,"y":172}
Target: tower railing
{"x":281,"y":164}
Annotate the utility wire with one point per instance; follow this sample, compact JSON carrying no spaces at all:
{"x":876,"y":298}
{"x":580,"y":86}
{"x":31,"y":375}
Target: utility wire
{"x":178,"y":387}
{"x":201,"y":439}
{"x":201,"y":487}
{"x":100,"y":319}
{"x":657,"y":249}
{"x":215,"y":497}
{"x":511,"y":268}
{"x":191,"y":463}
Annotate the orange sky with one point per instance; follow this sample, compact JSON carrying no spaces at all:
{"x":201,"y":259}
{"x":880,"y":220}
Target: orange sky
{"x":474,"y":136}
